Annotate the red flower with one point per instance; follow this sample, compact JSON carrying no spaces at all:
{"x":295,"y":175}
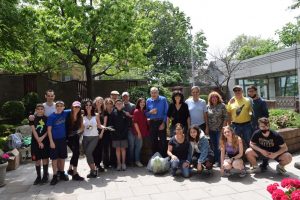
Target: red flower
{"x":296,"y":183}
{"x":284,"y":197}
{"x":296,"y":195}
{"x":277,"y":194}
{"x":272,"y":187}
{"x":287,"y":182}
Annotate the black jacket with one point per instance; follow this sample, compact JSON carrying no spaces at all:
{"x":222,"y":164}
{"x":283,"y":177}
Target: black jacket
{"x":120,"y":123}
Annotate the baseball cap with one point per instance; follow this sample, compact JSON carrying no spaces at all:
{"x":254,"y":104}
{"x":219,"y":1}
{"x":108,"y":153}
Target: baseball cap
{"x":237,"y":87}
{"x":114,"y":92}
{"x":125,"y":94}
{"x":59,"y":102}
{"x":76,"y":104}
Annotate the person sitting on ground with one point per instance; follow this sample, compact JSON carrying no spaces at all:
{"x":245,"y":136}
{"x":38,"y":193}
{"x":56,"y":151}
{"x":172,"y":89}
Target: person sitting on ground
{"x":200,"y":154}
{"x":231,"y":147}
{"x":267,"y":144}
{"x":178,"y":151}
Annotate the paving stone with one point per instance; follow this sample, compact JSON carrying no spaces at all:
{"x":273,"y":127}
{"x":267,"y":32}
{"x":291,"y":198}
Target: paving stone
{"x":146,"y":190}
{"x":193,"y":194}
{"x":119,"y":193}
{"x":248,"y":195}
{"x":91,"y":196}
{"x":219,"y":190}
{"x":166,"y":196}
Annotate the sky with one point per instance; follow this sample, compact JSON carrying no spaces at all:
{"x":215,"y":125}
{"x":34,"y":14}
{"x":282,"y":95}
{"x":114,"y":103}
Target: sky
{"x":223,"y":20}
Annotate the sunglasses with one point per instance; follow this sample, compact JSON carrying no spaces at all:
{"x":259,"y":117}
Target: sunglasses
{"x":238,"y":90}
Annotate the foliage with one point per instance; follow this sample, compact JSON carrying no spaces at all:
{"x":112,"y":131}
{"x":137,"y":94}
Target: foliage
{"x":14,"y":110}
{"x":25,"y":121}
{"x":6,"y":129}
{"x":280,"y":118}
{"x":30,"y":100}
{"x":144,"y":92}
{"x":204,"y":96}
{"x":289,"y":189}
{"x":289,"y":34}
{"x":295,"y":5}
{"x":246,"y":47}
{"x":3,"y":143}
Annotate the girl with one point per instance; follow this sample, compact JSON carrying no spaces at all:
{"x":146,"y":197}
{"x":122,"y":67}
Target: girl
{"x":90,"y":136}
{"x":178,"y":151}
{"x":200,"y":153}
{"x":74,"y":128}
{"x":231,"y":147}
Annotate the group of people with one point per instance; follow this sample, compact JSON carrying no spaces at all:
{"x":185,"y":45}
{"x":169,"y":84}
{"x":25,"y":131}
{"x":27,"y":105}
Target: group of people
{"x":115,"y":130}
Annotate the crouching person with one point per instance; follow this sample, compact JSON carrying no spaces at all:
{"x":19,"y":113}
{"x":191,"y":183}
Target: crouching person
{"x":267,"y":144}
{"x":231,"y":147}
{"x":201,"y":155}
{"x":178,"y":151}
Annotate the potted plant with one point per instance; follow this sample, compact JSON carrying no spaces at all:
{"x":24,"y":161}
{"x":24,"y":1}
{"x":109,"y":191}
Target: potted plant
{"x":3,"y":164}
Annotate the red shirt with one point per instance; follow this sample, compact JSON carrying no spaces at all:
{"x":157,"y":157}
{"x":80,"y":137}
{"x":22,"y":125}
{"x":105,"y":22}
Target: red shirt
{"x":140,"y":118}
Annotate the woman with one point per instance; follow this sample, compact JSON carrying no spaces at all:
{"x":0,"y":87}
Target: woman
{"x":90,"y":136}
{"x":178,"y":151}
{"x":109,"y":154}
{"x":200,"y":154}
{"x":74,"y":128}
{"x":178,"y":112}
{"x":141,"y":129}
{"x":217,"y":118}
{"x":231,"y":147}
{"x":99,"y":109}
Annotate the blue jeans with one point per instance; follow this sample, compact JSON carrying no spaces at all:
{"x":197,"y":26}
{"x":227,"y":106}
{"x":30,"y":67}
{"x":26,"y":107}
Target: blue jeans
{"x":244,"y":131}
{"x":176,"y":164}
{"x":215,"y":142}
{"x":134,"y":146}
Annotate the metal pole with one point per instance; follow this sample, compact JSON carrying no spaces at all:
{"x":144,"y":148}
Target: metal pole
{"x":192,"y":58}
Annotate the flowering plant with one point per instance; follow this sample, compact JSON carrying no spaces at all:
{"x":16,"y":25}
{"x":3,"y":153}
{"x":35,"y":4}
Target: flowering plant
{"x":289,"y":190}
{"x":4,"y":158}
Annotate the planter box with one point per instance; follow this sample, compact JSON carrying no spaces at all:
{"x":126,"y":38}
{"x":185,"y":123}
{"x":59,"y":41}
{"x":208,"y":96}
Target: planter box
{"x":291,"y":137}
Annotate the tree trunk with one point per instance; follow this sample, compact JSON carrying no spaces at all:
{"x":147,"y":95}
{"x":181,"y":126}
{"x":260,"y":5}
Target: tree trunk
{"x":89,"y":80}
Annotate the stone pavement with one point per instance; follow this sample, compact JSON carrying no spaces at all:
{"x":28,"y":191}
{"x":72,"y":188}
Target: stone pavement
{"x":139,"y":184}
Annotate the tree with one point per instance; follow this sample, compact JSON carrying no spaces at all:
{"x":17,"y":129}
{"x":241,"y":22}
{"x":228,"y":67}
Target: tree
{"x":289,"y":34}
{"x":295,"y":5}
{"x":250,"y":46}
{"x":220,"y":71}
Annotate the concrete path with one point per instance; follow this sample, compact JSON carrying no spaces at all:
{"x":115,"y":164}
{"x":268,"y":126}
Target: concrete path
{"x":139,"y":184}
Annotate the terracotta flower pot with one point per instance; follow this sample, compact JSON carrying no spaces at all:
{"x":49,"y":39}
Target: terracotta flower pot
{"x":3,"y":173}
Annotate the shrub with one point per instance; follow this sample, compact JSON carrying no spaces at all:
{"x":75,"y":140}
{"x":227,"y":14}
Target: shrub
{"x":6,"y":129}
{"x":14,"y":110}
{"x":204,"y":96}
{"x":144,"y":92}
{"x":280,"y":118}
{"x":3,"y":143}
{"x":30,"y":100}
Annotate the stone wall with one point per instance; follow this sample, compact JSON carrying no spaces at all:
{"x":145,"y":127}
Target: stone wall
{"x":292,"y":138}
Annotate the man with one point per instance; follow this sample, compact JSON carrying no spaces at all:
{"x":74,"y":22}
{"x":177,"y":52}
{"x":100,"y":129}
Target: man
{"x":267,"y":144}
{"x":114,"y":95}
{"x":157,"y":108}
{"x":260,"y":108}
{"x":239,"y":110}
{"x":198,"y":110}
{"x":49,"y":105}
{"x":133,"y":142}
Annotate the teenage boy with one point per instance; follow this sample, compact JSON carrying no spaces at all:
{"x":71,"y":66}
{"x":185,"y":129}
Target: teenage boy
{"x":49,"y":105}
{"x":40,"y":144}
{"x":267,"y":144}
{"x":58,"y":144}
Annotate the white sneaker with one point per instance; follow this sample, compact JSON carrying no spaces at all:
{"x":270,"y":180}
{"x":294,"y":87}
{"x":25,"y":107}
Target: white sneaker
{"x":139,"y":164}
{"x":119,"y":167}
{"x":124,"y":167}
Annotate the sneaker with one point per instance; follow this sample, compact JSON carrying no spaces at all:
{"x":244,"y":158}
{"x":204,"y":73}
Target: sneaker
{"x":54,"y":180}
{"x":243,"y":173}
{"x":119,"y":167}
{"x":254,"y":169}
{"x":280,"y":169}
{"x":70,"y":172}
{"x":37,"y":181}
{"x":139,"y":164}
{"x":226,"y":172}
{"x":263,"y":167}
{"x":45,"y":179}
{"x":124,"y":167}
{"x":76,"y":177}
{"x":63,"y":176}
{"x":173,"y":172}
{"x":209,"y":171}
{"x":100,"y":169}
{"x":92,"y":174}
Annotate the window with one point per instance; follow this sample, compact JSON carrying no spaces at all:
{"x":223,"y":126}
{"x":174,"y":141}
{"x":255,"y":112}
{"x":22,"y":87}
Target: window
{"x":287,"y":85}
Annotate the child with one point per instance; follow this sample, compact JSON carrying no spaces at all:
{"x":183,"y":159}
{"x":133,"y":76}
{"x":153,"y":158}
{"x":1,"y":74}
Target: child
{"x":119,"y":137}
{"x":40,"y":144}
{"x":231,"y":147}
{"x":200,"y":153}
{"x":58,"y":143}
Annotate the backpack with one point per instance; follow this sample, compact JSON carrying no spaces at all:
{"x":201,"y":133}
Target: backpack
{"x":15,"y":140}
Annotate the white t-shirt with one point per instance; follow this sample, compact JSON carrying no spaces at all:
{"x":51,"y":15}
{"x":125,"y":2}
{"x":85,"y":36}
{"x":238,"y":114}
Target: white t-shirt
{"x":90,"y":126}
{"x":49,"y":109}
{"x":197,"y":110}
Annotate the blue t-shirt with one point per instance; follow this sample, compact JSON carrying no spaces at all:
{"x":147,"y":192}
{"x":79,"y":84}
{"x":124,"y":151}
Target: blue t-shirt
{"x":58,"y":124}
